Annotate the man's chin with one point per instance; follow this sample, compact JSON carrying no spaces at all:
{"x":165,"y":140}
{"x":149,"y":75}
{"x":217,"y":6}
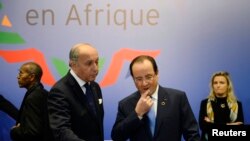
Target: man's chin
{"x":92,"y":79}
{"x":144,"y":90}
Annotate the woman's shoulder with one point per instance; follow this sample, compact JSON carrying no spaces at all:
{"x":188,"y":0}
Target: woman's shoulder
{"x":203,"y":101}
{"x":239,"y":102}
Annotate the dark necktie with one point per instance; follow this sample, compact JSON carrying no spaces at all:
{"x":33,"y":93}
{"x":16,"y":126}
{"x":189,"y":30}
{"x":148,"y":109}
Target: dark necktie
{"x":90,"y":98}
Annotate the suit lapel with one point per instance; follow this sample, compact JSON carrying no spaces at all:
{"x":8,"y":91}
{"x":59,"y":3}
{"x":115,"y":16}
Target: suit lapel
{"x":161,"y":108}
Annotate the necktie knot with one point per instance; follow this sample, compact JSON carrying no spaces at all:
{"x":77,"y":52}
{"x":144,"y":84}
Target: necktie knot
{"x":86,"y":85}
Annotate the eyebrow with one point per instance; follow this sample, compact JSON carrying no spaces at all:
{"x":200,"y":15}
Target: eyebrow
{"x":147,"y":75}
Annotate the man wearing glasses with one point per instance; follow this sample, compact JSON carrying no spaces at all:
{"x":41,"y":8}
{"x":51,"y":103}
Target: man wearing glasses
{"x":153,"y":113}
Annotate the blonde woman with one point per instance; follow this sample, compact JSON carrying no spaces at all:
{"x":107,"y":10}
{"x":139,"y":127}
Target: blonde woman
{"x":221,"y":106}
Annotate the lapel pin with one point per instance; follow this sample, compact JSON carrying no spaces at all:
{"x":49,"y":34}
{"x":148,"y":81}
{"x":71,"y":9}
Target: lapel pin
{"x":164,"y":102}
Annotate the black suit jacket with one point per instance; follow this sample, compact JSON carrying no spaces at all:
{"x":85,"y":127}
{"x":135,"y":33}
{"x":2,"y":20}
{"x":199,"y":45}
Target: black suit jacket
{"x":8,"y":107}
{"x":174,"y":119}
{"x":69,"y":114}
{"x":33,"y":117}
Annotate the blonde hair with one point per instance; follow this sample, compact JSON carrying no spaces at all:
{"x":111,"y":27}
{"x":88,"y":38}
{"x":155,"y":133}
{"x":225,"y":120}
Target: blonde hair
{"x":231,"y":98}
{"x":230,"y":91}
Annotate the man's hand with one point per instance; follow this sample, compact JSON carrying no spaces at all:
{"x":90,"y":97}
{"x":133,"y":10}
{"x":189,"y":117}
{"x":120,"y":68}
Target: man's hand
{"x":144,"y":104}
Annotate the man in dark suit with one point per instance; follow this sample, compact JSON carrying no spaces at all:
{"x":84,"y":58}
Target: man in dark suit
{"x":72,"y":115}
{"x":153,"y":113}
{"x":32,"y":122}
{"x":8,"y":107}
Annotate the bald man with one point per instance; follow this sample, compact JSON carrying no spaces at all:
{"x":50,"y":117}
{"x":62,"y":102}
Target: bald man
{"x":72,"y":115}
{"x":32,"y":122}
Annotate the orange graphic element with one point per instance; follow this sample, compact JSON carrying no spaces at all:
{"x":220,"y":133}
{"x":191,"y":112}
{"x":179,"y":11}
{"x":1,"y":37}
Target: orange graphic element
{"x":6,"y":22}
{"x":29,"y":54}
{"x":117,"y":63}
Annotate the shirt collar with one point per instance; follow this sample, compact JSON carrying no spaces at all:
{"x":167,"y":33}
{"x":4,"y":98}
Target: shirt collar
{"x":155,"y":94}
{"x":78,"y":80}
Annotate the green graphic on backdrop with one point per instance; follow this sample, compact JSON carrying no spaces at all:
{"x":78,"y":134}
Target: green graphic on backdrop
{"x":10,"y":38}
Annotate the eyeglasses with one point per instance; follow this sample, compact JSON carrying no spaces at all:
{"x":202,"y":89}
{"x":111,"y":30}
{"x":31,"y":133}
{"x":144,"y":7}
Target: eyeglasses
{"x":147,"y":79}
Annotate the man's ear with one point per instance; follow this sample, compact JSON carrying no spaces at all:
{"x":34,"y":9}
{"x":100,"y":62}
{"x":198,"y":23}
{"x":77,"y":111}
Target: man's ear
{"x":32,"y":77}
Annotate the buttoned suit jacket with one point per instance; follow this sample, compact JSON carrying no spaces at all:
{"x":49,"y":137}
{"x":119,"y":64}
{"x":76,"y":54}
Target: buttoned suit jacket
{"x":174,"y":119}
{"x":69,"y":113}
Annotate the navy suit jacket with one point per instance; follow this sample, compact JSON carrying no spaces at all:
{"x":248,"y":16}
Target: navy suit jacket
{"x":174,"y":119}
{"x":70,"y":116}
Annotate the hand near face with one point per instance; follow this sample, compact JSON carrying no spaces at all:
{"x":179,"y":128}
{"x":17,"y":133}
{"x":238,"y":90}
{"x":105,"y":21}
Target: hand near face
{"x":144,"y":104}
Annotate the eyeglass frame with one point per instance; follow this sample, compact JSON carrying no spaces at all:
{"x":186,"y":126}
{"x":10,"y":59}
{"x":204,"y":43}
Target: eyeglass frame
{"x":148,"y":78}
